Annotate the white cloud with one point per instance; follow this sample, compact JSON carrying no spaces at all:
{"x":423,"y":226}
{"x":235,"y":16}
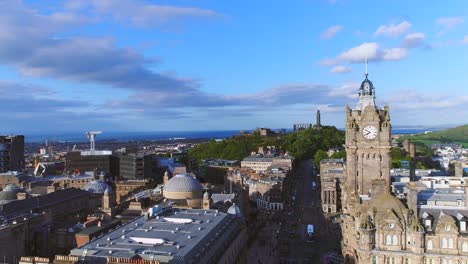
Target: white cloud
{"x":446,"y":24}
{"x":341,"y":69}
{"x":369,"y":50}
{"x":331,"y":31}
{"x":393,"y":30}
{"x":414,"y":40}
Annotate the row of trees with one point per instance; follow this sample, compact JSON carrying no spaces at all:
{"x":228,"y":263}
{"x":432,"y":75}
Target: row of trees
{"x":303,"y":144}
{"x":234,"y":148}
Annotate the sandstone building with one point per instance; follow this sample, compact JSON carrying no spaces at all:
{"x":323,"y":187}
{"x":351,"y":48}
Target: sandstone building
{"x":331,"y":176}
{"x":377,"y":227}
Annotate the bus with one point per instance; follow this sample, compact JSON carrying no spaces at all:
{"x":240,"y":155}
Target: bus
{"x":310,"y":232}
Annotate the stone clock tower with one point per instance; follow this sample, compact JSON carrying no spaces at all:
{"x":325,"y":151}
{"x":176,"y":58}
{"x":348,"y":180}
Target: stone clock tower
{"x":367,"y":145}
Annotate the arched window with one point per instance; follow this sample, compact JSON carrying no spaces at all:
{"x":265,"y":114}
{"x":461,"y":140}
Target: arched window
{"x":388,"y":240}
{"x":395,"y":240}
{"x":465,"y":247}
{"x":444,"y":242}
{"x":450,"y":243}
{"x":429,"y":244}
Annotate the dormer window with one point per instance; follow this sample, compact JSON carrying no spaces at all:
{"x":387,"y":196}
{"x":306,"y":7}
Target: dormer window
{"x":463,"y":226}
{"x":428,"y":223}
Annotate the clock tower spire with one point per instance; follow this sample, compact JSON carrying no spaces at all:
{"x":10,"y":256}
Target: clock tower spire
{"x":366,"y":92}
{"x":367,"y":146}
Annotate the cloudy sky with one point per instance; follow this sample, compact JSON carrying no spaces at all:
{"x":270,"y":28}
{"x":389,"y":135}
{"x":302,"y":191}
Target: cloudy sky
{"x":142,"y":65}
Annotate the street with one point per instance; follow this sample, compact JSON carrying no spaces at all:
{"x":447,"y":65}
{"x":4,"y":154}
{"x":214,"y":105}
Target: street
{"x":304,"y":209}
{"x":285,"y":240}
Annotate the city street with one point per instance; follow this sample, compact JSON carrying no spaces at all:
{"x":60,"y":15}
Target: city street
{"x":285,"y":240}
{"x":305,"y":209}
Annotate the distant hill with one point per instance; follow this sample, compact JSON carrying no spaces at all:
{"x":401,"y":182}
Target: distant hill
{"x":452,"y":135}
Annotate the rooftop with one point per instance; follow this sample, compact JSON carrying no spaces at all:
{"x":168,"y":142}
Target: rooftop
{"x":172,"y":235}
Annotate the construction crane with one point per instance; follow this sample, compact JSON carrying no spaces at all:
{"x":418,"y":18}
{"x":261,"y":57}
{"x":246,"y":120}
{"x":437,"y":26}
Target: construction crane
{"x":91,"y":135}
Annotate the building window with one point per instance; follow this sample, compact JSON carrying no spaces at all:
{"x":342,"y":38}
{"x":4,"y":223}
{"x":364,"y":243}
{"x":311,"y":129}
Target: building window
{"x":375,"y":260}
{"x":463,"y":226}
{"x":429,"y":245}
{"x":427,"y":223}
{"x":450,"y":243}
{"x":444,"y":242}
{"x":395,"y":240}
{"x":465,"y":247}
{"x":388,"y":240}
{"x":407,"y":261}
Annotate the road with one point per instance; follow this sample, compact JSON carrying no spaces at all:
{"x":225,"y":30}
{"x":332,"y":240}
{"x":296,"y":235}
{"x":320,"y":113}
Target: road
{"x":304,"y":209}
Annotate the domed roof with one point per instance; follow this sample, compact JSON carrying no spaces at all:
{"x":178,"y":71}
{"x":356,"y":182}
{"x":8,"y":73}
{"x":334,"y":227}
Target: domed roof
{"x":183,"y":183}
{"x":234,"y":210}
{"x":367,"y":87}
{"x":97,"y":186}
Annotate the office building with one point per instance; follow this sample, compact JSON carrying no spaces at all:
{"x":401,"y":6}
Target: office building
{"x":11,"y":153}
{"x":170,"y":235}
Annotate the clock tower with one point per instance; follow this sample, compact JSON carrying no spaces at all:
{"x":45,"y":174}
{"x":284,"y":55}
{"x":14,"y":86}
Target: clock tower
{"x":368,"y":150}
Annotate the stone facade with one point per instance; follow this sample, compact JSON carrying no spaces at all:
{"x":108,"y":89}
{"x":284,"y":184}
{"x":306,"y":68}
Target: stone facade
{"x":331,"y":176}
{"x":376,"y":226}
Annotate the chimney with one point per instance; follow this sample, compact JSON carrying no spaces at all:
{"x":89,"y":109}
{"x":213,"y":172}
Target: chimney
{"x":21,"y":196}
{"x":51,"y":189}
{"x":413,"y":189}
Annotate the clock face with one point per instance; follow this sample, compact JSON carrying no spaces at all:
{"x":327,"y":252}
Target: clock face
{"x":369,"y":132}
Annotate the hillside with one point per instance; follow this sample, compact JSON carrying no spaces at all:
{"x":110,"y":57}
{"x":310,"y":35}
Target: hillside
{"x":302,"y":145}
{"x":457,"y":135}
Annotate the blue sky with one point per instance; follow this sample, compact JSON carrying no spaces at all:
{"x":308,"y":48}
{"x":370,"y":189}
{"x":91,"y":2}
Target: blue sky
{"x":122,"y":65}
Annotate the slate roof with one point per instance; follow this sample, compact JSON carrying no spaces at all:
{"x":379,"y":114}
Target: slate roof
{"x":175,"y":235}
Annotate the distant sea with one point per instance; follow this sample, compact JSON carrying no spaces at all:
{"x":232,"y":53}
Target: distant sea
{"x":165,"y":135}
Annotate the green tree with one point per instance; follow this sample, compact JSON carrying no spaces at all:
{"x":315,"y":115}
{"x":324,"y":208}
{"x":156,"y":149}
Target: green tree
{"x":319,"y":156}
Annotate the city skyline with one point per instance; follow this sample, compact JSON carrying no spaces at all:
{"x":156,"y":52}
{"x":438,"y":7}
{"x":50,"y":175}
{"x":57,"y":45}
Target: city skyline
{"x":204,"y":65}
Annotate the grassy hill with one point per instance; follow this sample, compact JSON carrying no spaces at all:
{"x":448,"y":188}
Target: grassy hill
{"x":457,"y":135}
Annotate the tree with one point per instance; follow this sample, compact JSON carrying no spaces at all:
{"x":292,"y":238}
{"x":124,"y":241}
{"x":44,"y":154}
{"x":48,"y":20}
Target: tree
{"x":319,"y":156}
